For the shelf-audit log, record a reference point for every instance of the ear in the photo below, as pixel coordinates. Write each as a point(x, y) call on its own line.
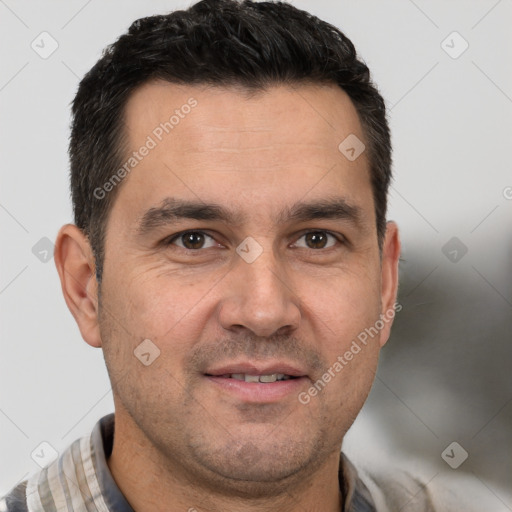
point(389, 279)
point(75, 264)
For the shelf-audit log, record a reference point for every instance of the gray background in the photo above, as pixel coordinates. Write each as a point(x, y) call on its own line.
point(445, 373)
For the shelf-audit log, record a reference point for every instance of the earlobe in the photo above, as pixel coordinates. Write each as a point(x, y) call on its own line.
point(75, 264)
point(389, 278)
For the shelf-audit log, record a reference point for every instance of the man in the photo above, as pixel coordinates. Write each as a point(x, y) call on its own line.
point(231, 256)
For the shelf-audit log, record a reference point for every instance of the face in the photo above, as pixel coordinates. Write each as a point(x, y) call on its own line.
point(243, 245)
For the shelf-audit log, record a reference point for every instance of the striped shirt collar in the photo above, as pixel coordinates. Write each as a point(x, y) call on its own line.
point(80, 481)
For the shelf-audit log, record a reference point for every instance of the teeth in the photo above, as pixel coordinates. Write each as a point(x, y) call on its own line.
point(268, 378)
point(252, 378)
point(259, 378)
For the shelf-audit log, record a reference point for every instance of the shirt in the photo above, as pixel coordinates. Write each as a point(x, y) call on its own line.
point(79, 480)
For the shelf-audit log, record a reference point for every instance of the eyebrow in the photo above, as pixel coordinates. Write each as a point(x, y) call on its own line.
point(172, 210)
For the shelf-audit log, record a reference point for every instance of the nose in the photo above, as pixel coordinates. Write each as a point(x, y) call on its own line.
point(259, 296)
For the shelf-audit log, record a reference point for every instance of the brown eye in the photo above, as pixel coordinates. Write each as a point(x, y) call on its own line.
point(193, 240)
point(317, 240)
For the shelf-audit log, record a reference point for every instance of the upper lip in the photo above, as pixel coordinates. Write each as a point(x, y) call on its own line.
point(257, 369)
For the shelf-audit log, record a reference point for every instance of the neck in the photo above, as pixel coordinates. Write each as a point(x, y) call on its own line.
point(151, 482)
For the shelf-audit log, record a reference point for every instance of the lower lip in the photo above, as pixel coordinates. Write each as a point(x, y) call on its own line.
point(258, 392)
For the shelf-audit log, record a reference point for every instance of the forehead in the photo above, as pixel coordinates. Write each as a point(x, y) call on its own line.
point(317, 113)
point(226, 145)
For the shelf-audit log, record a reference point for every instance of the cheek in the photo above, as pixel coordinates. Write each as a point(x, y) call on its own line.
point(149, 309)
point(162, 307)
point(341, 315)
point(341, 307)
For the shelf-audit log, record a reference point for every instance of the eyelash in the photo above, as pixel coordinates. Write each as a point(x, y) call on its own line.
point(170, 240)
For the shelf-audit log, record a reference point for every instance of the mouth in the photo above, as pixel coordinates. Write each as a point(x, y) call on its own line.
point(264, 379)
point(251, 384)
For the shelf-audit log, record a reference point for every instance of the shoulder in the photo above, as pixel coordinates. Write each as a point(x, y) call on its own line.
point(394, 489)
point(73, 481)
point(16, 499)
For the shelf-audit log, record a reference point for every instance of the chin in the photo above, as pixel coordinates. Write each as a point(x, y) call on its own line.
point(250, 468)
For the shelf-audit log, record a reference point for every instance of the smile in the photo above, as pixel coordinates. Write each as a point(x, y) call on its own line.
point(272, 377)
